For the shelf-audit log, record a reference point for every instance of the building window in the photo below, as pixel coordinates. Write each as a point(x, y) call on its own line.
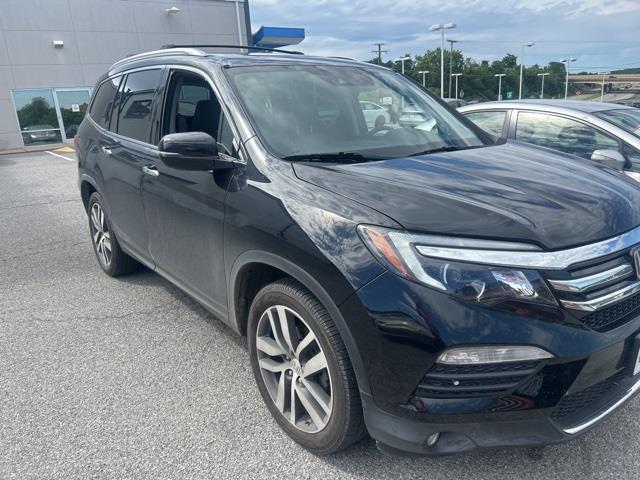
point(37, 116)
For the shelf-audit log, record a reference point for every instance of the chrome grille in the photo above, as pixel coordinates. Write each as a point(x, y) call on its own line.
point(602, 294)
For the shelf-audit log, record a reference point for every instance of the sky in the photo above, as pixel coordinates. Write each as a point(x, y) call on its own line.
point(602, 35)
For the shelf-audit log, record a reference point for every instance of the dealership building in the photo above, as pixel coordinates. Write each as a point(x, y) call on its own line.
point(53, 51)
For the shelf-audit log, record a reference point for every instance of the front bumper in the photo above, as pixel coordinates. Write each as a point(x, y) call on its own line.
point(400, 328)
point(396, 435)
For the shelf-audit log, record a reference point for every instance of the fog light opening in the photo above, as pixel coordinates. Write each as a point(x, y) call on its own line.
point(433, 439)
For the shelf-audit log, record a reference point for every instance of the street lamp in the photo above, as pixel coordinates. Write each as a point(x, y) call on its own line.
point(456, 75)
point(604, 75)
point(442, 27)
point(424, 82)
point(566, 62)
point(403, 59)
point(542, 88)
point(528, 44)
point(451, 42)
point(500, 75)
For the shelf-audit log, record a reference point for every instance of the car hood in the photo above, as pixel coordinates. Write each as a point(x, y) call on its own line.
point(509, 192)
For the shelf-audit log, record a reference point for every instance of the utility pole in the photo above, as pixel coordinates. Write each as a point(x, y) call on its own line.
point(542, 88)
point(403, 59)
point(424, 80)
point(566, 62)
point(456, 75)
point(378, 51)
point(451, 42)
point(441, 27)
point(604, 75)
point(500, 75)
point(528, 44)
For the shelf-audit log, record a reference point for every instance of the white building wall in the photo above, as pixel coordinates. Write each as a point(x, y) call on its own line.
point(96, 33)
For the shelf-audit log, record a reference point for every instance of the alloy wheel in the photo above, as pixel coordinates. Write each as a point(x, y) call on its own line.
point(294, 369)
point(101, 235)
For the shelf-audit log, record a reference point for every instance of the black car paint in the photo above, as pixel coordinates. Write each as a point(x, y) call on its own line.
point(511, 192)
point(205, 230)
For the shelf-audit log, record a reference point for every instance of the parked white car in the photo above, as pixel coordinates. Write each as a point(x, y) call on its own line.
point(373, 111)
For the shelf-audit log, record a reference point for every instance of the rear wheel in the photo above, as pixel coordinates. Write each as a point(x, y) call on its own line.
point(302, 369)
point(113, 261)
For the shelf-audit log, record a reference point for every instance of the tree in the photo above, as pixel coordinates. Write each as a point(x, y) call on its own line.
point(478, 79)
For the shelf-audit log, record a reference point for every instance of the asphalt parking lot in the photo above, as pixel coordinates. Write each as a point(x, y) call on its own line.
point(129, 378)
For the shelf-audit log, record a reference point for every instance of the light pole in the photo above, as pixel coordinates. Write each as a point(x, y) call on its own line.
point(528, 44)
point(542, 88)
point(403, 59)
point(499, 75)
point(456, 75)
point(424, 82)
point(604, 75)
point(451, 42)
point(566, 62)
point(435, 28)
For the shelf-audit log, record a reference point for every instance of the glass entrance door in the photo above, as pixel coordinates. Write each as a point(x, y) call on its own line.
point(72, 105)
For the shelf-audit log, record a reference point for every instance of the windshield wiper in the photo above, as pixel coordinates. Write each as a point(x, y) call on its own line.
point(443, 149)
point(338, 157)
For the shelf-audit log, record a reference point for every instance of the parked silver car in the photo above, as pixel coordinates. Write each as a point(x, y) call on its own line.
point(603, 132)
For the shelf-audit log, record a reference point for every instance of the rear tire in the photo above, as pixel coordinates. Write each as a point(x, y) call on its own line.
point(111, 258)
point(327, 412)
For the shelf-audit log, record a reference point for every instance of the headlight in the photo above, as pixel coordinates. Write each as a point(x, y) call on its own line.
point(469, 281)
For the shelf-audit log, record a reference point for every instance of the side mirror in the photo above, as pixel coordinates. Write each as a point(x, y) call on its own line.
point(194, 151)
point(610, 158)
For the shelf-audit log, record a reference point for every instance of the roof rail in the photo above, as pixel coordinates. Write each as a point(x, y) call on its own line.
point(159, 53)
point(242, 47)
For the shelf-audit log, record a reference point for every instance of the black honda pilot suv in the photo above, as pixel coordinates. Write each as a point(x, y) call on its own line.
point(422, 284)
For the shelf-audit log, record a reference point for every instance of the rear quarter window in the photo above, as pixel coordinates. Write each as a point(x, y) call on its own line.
point(103, 100)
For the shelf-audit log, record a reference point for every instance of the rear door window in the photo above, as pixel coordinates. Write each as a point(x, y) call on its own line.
point(103, 100)
point(561, 133)
point(135, 104)
point(490, 122)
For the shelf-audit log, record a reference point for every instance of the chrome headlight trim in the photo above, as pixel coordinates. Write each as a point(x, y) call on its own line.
point(538, 260)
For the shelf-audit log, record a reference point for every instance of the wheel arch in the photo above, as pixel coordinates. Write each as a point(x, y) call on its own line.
point(281, 268)
point(87, 186)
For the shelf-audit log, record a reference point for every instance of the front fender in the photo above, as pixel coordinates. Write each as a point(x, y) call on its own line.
point(309, 282)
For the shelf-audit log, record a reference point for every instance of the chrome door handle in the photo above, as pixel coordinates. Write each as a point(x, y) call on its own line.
point(150, 171)
point(107, 149)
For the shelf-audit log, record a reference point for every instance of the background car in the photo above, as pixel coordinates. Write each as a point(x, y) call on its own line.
point(41, 134)
point(576, 127)
point(372, 112)
point(456, 102)
point(412, 117)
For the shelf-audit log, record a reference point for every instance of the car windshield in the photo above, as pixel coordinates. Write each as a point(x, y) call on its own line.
point(329, 113)
point(628, 119)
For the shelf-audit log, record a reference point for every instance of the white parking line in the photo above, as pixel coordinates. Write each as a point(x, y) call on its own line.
point(61, 156)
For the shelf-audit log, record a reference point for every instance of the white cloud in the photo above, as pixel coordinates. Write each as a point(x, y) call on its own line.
point(490, 28)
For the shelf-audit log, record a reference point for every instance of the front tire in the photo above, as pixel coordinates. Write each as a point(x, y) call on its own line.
point(113, 261)
point(303, 370)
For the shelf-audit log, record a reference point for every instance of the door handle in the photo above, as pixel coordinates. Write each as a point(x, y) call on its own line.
point(150, 171)
point(107, 147)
